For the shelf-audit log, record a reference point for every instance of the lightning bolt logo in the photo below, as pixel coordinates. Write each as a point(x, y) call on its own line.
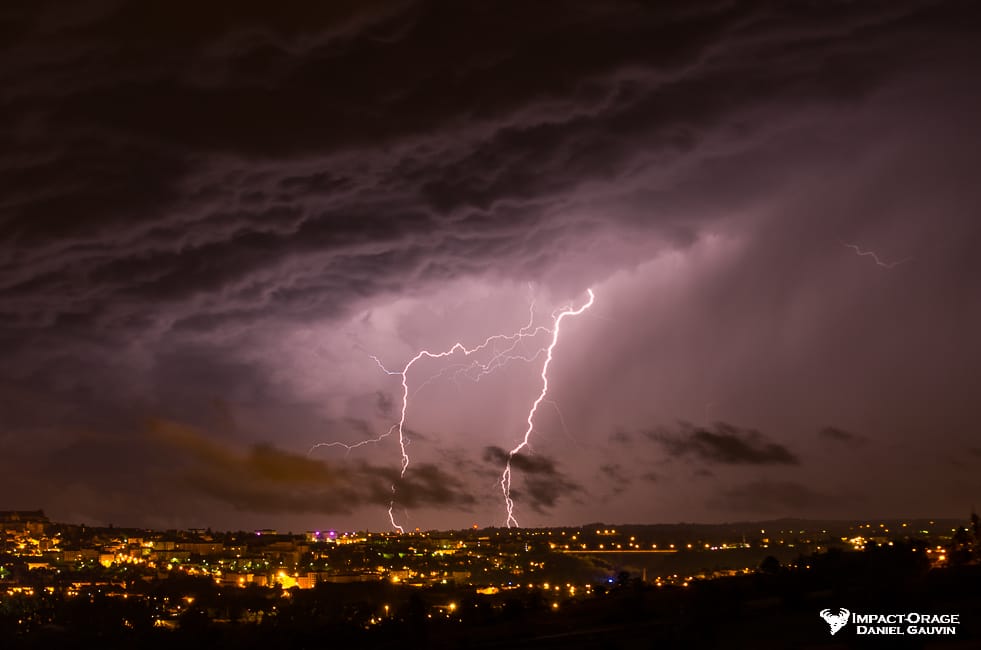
point(504, 349)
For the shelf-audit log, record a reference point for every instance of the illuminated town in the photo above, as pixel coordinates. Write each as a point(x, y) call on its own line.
point(159, 582)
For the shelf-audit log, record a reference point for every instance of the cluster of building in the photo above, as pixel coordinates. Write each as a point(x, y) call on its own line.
point(36, 554)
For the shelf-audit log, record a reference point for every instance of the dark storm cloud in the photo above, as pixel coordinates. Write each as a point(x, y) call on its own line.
point(773, 498)
point(835, 434)
point(614, 472)
point(525, 463)
point(430, 485)
point(542, 484)
point(543, 494)
point(725, 444)
point(184, 171)
point(264, 478)
point(385, 404)
point(620, 437)
point(615, 475)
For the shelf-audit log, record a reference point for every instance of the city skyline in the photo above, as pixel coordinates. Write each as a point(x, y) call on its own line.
point(228, 236)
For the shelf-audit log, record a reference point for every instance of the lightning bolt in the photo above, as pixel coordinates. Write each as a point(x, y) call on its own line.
point(506, 475)
point(875, 258)
point(399, 426)
point(504, 350)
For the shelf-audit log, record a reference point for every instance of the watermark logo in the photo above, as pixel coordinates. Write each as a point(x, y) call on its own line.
point(892, 624)
point(835, 621)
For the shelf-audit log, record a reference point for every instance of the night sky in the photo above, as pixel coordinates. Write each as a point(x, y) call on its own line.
point(212, 217)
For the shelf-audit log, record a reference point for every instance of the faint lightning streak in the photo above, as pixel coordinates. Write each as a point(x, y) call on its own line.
point(875, 258)
point(349, 447)
point(558, 412)
point(506, 475)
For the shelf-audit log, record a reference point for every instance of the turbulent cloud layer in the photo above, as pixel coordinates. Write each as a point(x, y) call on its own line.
point(174, 172)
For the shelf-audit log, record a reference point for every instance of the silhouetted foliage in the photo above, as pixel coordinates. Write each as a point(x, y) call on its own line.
point(770, 565)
